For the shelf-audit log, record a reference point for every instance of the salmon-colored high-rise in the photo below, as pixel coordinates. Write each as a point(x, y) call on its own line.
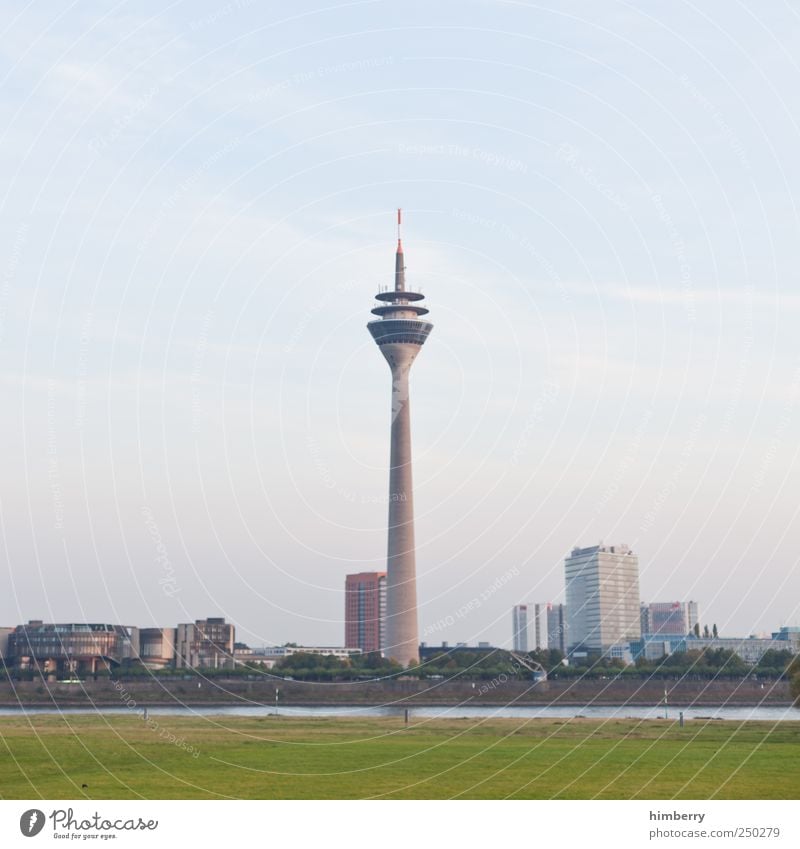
point(365, 611)
point(400, 334)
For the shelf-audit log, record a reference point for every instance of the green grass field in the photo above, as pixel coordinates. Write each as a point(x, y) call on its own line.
point(123, 757)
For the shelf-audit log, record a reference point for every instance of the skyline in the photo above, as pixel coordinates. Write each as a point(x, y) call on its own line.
point(604, 223)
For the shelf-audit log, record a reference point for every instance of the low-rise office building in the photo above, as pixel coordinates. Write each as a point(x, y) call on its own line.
point(70, 649)
point(621, 651)
point(277, 652)
point(749, 649)
point(789, 634)
point(245, 656)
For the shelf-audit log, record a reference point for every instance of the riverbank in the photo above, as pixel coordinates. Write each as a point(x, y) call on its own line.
point(392, 693)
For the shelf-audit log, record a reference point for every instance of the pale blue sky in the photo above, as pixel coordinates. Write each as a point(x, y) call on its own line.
point(197, 207)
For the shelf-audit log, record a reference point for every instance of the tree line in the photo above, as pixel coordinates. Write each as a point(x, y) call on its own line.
point(696, 664)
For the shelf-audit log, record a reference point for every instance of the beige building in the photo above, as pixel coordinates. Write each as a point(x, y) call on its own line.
point(602, 584)
point(204, 644)
point(157, 647)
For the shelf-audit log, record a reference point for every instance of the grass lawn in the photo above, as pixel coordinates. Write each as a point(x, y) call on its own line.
point(124, 757)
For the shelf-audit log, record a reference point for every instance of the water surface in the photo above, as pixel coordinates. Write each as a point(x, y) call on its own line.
point(736, 714)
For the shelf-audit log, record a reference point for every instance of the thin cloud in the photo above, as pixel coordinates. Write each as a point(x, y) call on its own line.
point(682, 297)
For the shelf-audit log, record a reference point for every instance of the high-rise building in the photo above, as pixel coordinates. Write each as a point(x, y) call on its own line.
point(556, 627)
point(644, 618)
point(400, 334)
point(539, 626)
point(365, 611)
point(520, 622)
point(668, 618)
point(603, 603)
point(519, 619)
point(692, 615)
point(671, 618)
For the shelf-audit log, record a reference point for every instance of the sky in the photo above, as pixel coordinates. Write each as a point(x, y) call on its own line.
point(197, 206)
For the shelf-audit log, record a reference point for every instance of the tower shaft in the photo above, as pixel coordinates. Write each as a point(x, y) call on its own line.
point(402, 638)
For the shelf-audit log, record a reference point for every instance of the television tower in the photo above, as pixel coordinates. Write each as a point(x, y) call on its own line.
point(400, 333)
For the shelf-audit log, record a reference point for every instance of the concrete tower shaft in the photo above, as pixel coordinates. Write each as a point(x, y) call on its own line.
point(400, 334)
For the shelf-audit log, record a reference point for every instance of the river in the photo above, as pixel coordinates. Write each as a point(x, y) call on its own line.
point(733, 714)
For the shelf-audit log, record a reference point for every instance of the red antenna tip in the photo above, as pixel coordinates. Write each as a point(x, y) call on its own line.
point(399, 221)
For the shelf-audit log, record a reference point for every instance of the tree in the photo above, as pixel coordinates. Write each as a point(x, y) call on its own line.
point(775, 664)
point(714, 631)
point(794, 680)
point(697, 629)
point(303, 665)
point(375, 662)
point(706, 634)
